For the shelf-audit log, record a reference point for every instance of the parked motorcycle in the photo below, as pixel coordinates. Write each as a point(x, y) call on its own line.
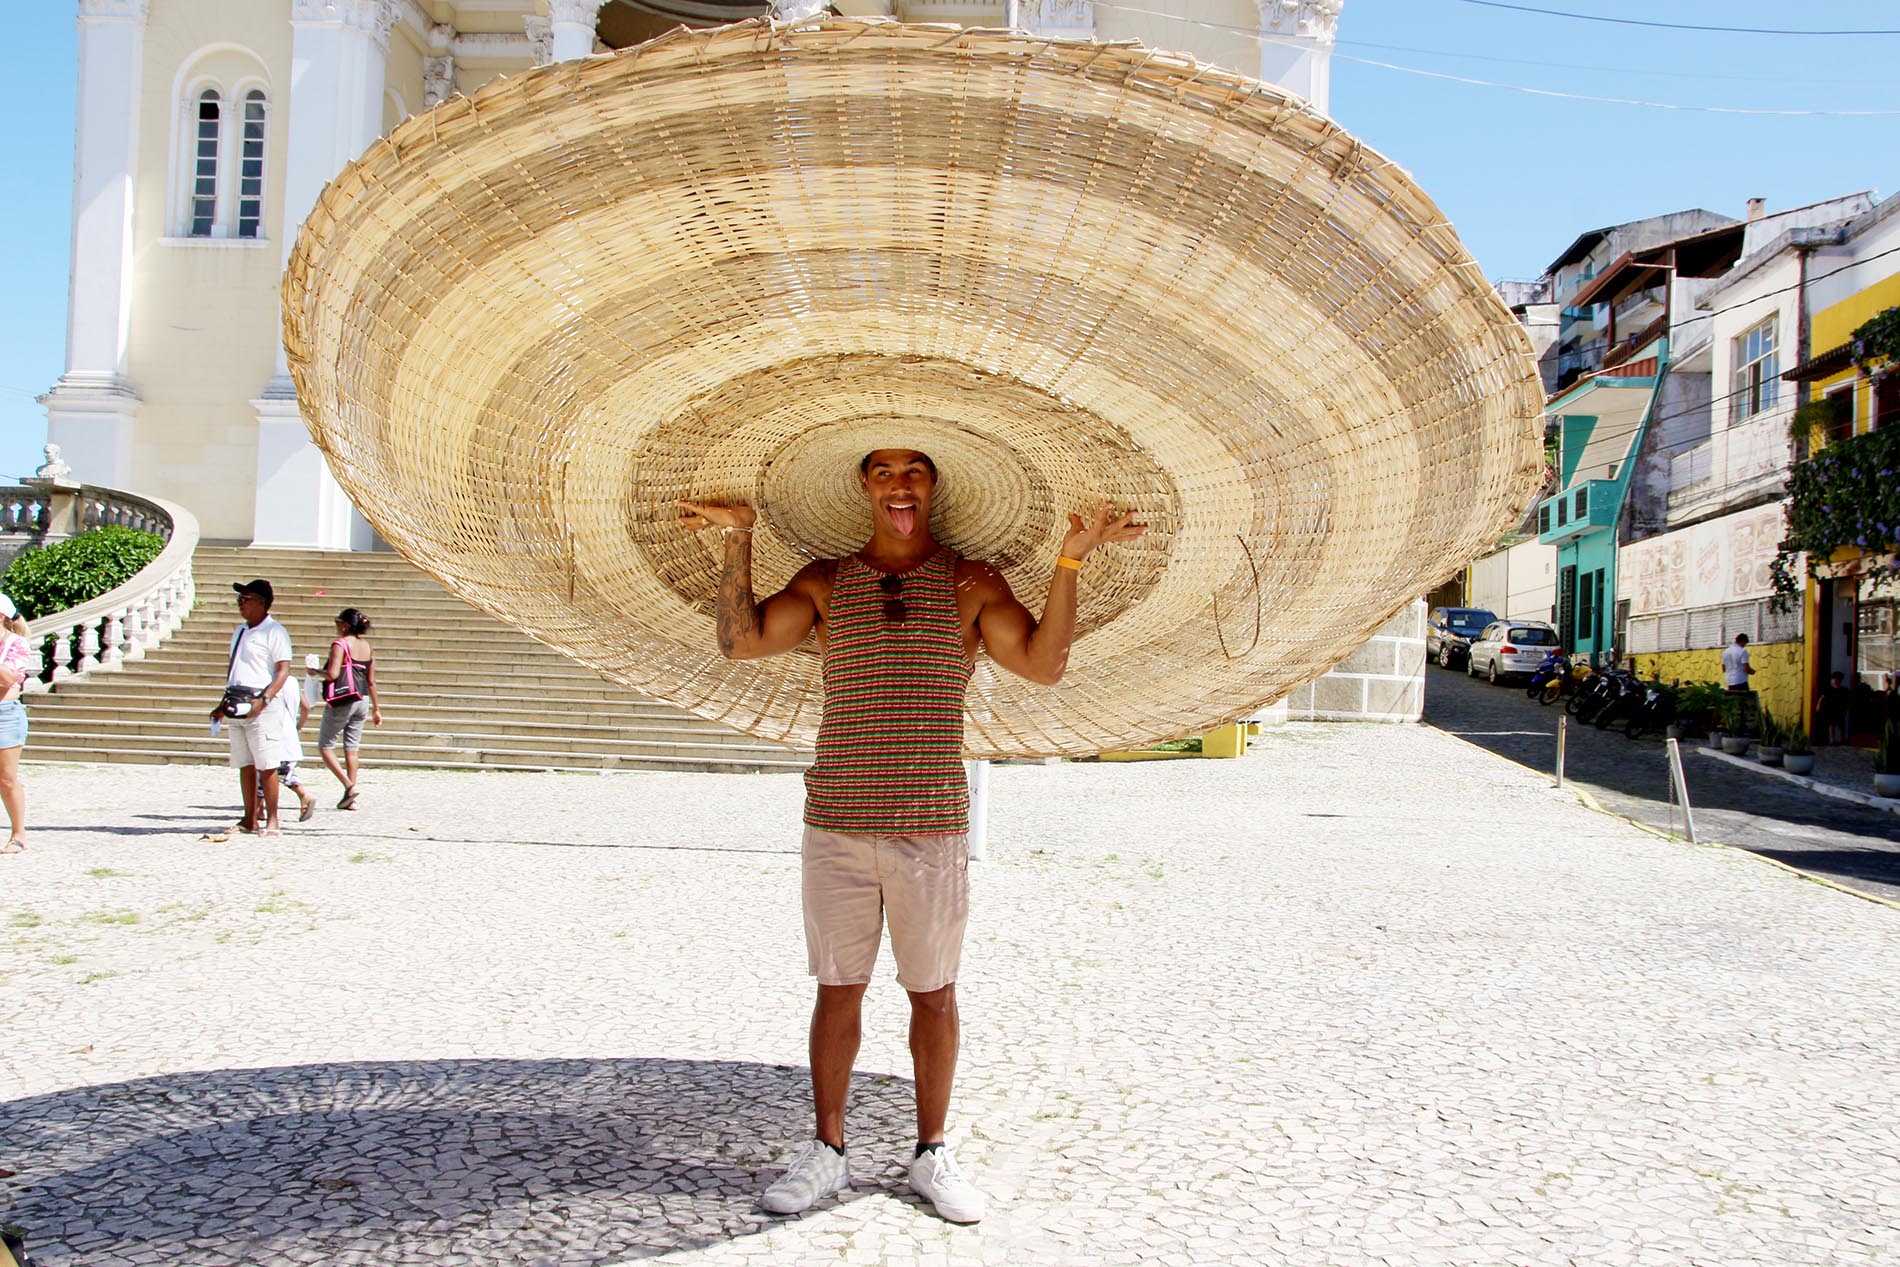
point(1592, 696)
point(1552, 682)
point(1656, 711)
point(1551, 670)
point(1624, 698)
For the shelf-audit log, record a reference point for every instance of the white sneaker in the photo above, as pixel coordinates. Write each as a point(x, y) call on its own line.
point(814, 1173)
point(935, 1177)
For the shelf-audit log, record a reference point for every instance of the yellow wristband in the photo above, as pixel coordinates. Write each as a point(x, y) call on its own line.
point(1063, 561)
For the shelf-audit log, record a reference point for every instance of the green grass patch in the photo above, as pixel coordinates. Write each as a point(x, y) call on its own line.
point(24, 919)
point(110, 917)
point(104, 873)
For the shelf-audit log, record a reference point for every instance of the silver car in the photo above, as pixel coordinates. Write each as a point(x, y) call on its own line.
point(1510, 648)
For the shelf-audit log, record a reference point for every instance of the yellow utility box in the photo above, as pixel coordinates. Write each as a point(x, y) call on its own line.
point(1228, 741)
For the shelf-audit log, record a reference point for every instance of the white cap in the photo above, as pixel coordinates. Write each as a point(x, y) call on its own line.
point(7, 610)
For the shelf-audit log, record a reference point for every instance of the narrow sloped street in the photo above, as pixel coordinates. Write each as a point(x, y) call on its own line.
point(1850, 844)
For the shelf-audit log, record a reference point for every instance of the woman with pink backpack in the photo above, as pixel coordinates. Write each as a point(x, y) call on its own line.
point(349, 699)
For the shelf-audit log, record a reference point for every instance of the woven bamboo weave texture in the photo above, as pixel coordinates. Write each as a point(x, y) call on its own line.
point(725, 264)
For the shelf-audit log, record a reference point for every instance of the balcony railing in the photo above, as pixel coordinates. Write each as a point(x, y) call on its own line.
point(1577, 509)
point(1731, 465)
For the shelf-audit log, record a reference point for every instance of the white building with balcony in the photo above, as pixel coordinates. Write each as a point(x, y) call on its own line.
point(1706, 513)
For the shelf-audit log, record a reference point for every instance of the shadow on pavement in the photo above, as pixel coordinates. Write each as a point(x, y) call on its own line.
point(556, 1162)
point(1838, 840)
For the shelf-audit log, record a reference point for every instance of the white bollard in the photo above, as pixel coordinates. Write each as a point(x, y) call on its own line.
point(979, 772)
point(1679, 790)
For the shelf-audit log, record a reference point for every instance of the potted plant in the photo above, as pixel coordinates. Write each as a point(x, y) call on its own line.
point(1887, 760)
point(1773, 733)
point(1697, 705)
point(1735, 739)
point(1797, 753)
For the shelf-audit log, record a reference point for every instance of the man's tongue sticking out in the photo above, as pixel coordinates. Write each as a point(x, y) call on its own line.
point(904, 519)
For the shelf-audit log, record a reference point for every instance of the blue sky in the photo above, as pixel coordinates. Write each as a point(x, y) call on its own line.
point(1520, 175)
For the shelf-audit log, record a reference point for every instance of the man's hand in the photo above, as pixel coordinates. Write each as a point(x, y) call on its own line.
point(1110, 525)
point(748, 628)
point(697, 515)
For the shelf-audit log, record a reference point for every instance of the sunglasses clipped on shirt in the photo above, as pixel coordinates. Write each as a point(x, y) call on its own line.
point(893, 587)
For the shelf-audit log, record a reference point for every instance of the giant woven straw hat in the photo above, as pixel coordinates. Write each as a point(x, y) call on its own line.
point(726, 264)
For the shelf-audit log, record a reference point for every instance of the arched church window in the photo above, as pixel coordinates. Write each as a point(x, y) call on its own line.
point(251, 167)
point(207, 136)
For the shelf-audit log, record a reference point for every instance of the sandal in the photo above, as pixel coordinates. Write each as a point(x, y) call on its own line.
point(349, 798)
point(309, 809)
point(16, 845)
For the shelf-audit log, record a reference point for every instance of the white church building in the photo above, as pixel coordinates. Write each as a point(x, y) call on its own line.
point(206, 129)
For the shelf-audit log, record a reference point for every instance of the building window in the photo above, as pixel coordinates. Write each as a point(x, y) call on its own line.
point(1757, 381)
point(251, 167)
point(220, 146)
point(1583, 502)
point(208, 129)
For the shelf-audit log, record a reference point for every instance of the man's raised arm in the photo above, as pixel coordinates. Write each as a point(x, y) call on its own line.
point(1039, 649)
point(749, 629)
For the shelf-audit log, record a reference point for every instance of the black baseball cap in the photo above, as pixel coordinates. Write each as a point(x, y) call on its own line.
point(259, 587)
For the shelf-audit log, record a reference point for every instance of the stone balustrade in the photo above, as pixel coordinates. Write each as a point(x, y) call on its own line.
point(123, 624)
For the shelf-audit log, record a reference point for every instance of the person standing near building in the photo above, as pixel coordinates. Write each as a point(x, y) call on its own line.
point(1830, 708)
point(263, 739)
point(1736, 670)
point(898, 623)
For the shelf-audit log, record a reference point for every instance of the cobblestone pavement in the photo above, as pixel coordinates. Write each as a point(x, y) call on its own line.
point(1365, 997)
point(1850, 844)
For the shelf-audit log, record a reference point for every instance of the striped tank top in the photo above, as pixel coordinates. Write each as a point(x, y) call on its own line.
point(890, 743)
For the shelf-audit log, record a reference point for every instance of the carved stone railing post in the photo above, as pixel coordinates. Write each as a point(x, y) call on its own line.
point(112, 643)
point(88, 650)
point(142, 629)
point(35, 683)
point(62, 654)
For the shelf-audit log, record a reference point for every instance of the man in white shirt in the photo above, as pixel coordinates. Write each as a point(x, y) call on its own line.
point(1736, 669)
point(260, 660)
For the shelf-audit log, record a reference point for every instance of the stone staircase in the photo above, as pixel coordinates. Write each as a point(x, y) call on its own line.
point(460, 690)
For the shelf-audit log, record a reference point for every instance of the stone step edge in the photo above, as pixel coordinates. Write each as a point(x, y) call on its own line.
point(655, 764)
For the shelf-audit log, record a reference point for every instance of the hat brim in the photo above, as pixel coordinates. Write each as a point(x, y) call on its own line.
point(726, 264)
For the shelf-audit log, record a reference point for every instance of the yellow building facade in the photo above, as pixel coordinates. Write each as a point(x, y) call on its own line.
point(1850, 617)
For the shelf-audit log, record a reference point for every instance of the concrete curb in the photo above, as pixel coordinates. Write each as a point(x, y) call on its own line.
point(1818, 786)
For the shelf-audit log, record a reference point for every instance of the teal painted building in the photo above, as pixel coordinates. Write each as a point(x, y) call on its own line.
point(1600, 424)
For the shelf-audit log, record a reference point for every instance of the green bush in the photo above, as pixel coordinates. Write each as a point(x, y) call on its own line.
point(77, 570)
point(1796, 742)
point(1887, 759)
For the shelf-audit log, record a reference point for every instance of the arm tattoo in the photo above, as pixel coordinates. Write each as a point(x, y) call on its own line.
point(738, 611)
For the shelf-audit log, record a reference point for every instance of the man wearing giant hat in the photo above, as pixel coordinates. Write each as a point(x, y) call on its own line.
point(898, 623)
point(712, 273)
